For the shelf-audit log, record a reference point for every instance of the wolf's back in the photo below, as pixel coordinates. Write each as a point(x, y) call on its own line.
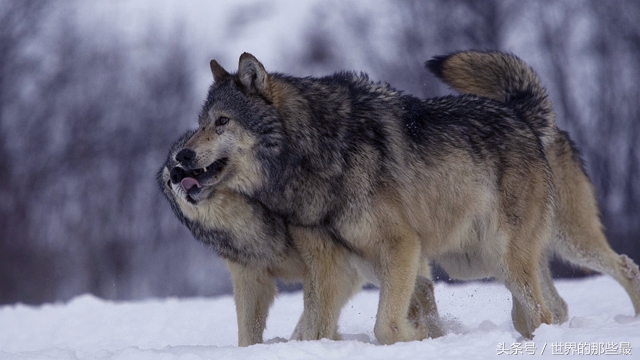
point(502, 77)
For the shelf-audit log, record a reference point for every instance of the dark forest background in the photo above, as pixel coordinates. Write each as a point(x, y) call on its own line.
point(86, 118)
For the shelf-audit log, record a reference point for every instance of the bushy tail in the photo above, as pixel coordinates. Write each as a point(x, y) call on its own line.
point(502, 77)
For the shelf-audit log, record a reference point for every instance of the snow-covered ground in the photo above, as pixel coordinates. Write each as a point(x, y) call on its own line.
point(477, 316)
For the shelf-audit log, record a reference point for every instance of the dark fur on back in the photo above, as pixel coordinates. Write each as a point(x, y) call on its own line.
point(483, 73)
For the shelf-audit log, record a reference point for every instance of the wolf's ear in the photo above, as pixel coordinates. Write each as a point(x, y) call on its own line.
point(218, 72)
point(252, 76)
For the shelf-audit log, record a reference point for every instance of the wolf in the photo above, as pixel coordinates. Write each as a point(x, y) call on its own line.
point(394, 180)
point(258, 248)
point(578, 235)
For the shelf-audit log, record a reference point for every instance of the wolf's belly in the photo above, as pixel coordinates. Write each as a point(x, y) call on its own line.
point(466, 266)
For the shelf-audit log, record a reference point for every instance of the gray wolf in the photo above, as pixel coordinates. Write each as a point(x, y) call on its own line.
point(258, 249)
point(353, 164)
point(578, 236)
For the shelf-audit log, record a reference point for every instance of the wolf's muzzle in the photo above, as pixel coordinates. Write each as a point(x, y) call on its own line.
point(185, 156)
point(178, 173)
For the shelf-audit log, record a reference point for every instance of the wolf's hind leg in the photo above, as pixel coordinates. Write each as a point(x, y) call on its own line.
point(582, 242)
point(253, 293)
point(522, 276)
point(423, 311)
point(556, 303)
point(580, 239)
point(600, 257)
point(529, 308)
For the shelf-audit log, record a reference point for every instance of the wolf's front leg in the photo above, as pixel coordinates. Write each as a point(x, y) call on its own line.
point(329, 282)
point(253, 293)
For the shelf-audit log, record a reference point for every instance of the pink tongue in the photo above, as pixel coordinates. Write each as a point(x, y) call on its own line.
point(187, 183)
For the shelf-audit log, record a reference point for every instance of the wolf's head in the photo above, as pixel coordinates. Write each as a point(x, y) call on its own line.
point(239, 228)
point(238, 136)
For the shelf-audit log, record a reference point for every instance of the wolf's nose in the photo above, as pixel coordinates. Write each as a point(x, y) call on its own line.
point(176, 175)
point(185, 156)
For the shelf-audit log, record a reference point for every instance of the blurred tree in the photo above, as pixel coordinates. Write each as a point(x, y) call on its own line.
point(604, 116)
point(19, 25)
point(614, 155)
point(394, 40)
point(88, 121)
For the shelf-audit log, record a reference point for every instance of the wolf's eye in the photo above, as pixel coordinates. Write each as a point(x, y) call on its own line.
point(222, 120)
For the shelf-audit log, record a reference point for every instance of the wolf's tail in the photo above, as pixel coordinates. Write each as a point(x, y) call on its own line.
point(502, 77)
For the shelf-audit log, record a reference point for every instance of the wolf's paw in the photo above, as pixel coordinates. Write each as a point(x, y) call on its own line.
point(632, 272)
point(309, 333)
point(428, 326)
point(393, 332)
point(559, 311)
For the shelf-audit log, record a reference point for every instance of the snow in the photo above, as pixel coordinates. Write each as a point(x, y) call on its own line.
point(476, 315)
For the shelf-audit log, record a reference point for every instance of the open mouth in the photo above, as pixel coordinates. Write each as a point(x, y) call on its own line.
point(191, 180)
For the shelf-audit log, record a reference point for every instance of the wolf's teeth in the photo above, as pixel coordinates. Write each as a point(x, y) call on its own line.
point(205, 169)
